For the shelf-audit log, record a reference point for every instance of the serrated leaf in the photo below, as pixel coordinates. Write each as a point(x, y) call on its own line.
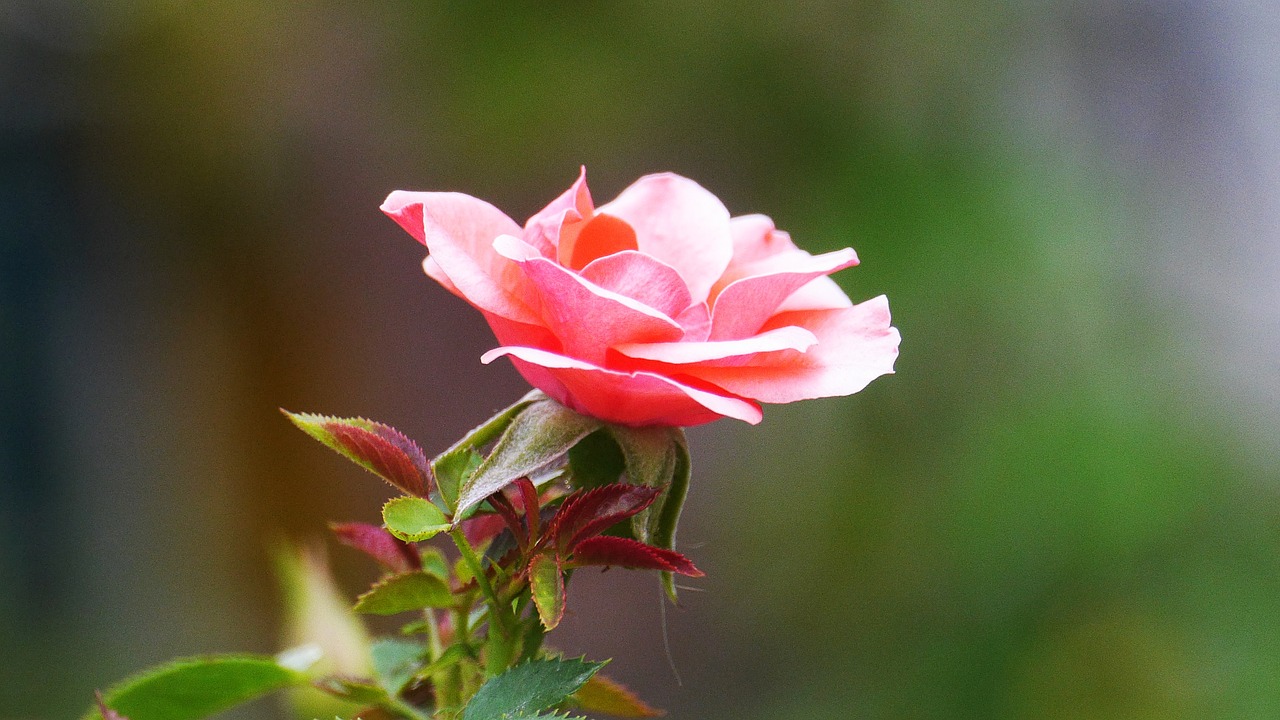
point(405, 592)
point(197, 687)
point(542, 432)
point(453, 466)
point(589, 513)
point(528, 689)
point(546, 583)
point(628, 553)
point(413, 519)
point(606, 695)
point(388, 550)
point(595, 461)
point(378, 448)
point(395, 662)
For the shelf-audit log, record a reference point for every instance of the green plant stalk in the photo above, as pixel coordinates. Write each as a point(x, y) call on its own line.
point(501, 642)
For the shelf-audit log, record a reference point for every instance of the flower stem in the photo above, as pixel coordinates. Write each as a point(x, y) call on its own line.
point(502, 636)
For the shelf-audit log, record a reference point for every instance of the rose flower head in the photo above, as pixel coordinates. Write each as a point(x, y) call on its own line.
point(657, 308)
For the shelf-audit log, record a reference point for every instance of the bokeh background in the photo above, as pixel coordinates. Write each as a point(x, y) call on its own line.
point(1066, 504)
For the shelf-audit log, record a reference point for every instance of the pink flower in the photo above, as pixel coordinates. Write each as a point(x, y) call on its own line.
point(657, 308)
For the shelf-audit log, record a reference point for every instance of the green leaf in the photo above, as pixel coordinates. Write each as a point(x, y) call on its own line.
point(197, 687)
point(596, 460)
point(453, 466)
point(525, 690)
point(395, 662)
point(402, 593)
point(546, 581)
point(413, 519)
point(542, 432)
point(433, 562)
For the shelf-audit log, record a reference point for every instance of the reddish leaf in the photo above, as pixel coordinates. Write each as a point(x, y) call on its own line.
point(529, 500)
point(481, 528)
point(380, 449)
point(589, 513)
point(628, 553)
point(392, 552)
point(606, 695)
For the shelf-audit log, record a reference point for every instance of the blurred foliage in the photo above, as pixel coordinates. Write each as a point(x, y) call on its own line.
point(1043, 514)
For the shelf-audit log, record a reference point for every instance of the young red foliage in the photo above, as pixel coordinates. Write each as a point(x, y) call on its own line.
point(585, 514)
point(628, 553)
point(390, 551)
point(392, 456)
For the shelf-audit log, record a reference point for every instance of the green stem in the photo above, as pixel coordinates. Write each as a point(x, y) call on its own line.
point(502, 636)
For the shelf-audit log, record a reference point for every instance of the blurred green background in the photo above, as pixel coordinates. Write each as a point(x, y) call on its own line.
point(1064, 505)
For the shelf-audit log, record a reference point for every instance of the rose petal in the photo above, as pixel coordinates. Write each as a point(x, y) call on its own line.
point(744, 305)
point(586, 318)
point(573, 207)
point(819, 294)
point(679, 223)
point(855, 346)
point(636, 399)
point(458, 231)
point(643, 278)
point(679, 353)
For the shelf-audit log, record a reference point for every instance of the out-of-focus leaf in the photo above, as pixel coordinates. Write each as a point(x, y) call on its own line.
point(413, 519)
point(317, 613)
point(433, 562)
point(106, 712)
point(391, 552)
point(395, 662)
point(606, 695)
point(453, 466)
point(380, 449)
point(197, 687)
point(546, 582)
point(628, 553)
point(405, 592)
point(540, 433)
point(528, 689)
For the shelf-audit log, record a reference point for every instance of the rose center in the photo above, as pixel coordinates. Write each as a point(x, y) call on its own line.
point(603, 235)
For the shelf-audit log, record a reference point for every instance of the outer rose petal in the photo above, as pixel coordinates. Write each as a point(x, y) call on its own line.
point(744, 305)
point(636, 399)
point(683, 353)
point(855, 346)
point(458, 231)
point(586, 318)
point(819, 294)
point(679, 223)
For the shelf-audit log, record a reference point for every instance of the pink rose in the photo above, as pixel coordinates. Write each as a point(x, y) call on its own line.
point(656, 308)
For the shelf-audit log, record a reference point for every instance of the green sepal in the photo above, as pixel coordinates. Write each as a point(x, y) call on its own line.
point(665, 513)
point(546, 583)
point(395, 662)
point(197, 687)
point(541, 432)
point(413, 519)
point(528, 689)
point(595, 461)
point(453, 466)
point(405, 592)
